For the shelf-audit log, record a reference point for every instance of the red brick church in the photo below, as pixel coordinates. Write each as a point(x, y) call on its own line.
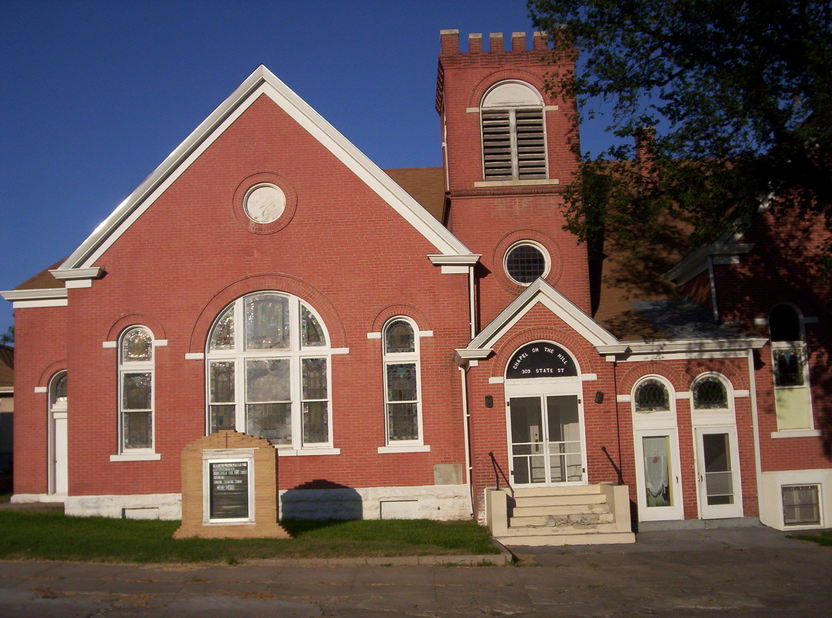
point(420, 343)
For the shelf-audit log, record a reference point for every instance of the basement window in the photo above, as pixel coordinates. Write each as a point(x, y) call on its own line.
point(801, 506)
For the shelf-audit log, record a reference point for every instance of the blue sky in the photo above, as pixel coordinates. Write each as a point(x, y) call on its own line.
point(95, 94)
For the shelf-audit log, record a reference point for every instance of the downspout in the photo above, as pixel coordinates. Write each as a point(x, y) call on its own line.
point(755, 424)
point(466, 420)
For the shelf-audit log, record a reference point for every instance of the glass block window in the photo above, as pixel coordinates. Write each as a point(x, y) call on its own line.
point(525, 262)
point(513, 133)
point(801, 505)
point(135, 389)
point(651, 396)
point(709, 393)
point(267, 366)
point(402, 389)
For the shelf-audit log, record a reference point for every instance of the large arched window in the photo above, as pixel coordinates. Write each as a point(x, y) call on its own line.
point(135, 385)
point(513, 133)
point(402, 388)
point(790, 368)
point(267, 362)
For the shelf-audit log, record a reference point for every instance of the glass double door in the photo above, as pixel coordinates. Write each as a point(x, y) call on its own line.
point(546, 440)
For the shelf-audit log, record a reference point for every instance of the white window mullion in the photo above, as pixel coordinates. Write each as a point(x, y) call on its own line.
point(297, 411)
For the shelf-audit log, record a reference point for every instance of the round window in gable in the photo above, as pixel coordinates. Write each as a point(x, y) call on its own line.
point(264, 203)
point(526, 261)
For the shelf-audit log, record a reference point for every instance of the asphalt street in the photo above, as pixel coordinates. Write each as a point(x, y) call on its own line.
point(746, 571)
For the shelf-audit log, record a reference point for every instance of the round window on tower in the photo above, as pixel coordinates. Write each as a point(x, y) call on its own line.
point(526, 261)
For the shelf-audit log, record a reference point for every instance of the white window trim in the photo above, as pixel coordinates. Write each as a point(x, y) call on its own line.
point(136, 454)
point(719, 416)
point(656, 418)
point(802, 350)
point(295, 354)
point(512, 109)
point(532, 243)
point(796, 433)
point(398, 446)
point(820, 523)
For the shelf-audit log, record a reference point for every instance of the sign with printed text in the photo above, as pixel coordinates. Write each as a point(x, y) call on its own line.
point(541, 360)
point(229, 489)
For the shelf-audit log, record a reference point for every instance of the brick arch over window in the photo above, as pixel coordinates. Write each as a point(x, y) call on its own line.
point(486, 83)
point(414, 313)
point(737, 378)
point(571, 343)
point(278, 283)
point(50, 370)
point(152, 324)
point(627, 378)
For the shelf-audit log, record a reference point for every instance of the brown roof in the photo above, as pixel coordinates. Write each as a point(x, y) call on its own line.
point(6, 366)
point(426, 185)
point(43, 280)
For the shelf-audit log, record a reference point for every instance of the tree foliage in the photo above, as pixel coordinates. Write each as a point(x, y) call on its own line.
point(740, 93)
point(7, 338)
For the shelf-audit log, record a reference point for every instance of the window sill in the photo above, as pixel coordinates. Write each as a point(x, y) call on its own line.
point(290, 452)
point(516, 183)
point(136, 457)
point(405, 448)
point(796, 433)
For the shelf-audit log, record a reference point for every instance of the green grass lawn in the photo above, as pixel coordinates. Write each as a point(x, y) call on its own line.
point(821, 538)
point(33, 535)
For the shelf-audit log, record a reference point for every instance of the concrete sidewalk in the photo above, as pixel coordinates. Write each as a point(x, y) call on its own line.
point(752, 571)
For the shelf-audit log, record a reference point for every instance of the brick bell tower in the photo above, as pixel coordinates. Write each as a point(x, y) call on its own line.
point(507, 157)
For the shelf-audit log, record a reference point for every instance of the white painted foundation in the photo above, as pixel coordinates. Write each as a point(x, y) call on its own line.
point(772, 496)
point(438, 502)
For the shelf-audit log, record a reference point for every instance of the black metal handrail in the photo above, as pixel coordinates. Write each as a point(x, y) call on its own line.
point(498, 472)
point(612, 463)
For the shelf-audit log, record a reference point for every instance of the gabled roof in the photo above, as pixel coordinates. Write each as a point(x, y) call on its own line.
point(538, 292)
point(260, 82)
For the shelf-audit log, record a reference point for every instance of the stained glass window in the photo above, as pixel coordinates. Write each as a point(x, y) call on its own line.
point(261, 379)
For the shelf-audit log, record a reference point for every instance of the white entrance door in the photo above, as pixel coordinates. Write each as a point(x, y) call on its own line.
point(717, 472)
point(546, 440)
point(657, 474)
point(59, 453)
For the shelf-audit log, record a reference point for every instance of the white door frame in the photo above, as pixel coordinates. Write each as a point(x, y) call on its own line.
point(542, 388)
point(57, 451)
point(659, 513)
point(717, 511)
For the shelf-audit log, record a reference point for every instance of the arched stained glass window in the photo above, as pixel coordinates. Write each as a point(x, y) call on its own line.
point(651, 396)
point(268, 374)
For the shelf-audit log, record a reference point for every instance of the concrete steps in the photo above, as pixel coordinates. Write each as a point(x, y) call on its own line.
point(570, 515)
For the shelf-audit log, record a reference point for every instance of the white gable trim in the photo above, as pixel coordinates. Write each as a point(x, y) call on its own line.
point(261, 81)
point(557, 303)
